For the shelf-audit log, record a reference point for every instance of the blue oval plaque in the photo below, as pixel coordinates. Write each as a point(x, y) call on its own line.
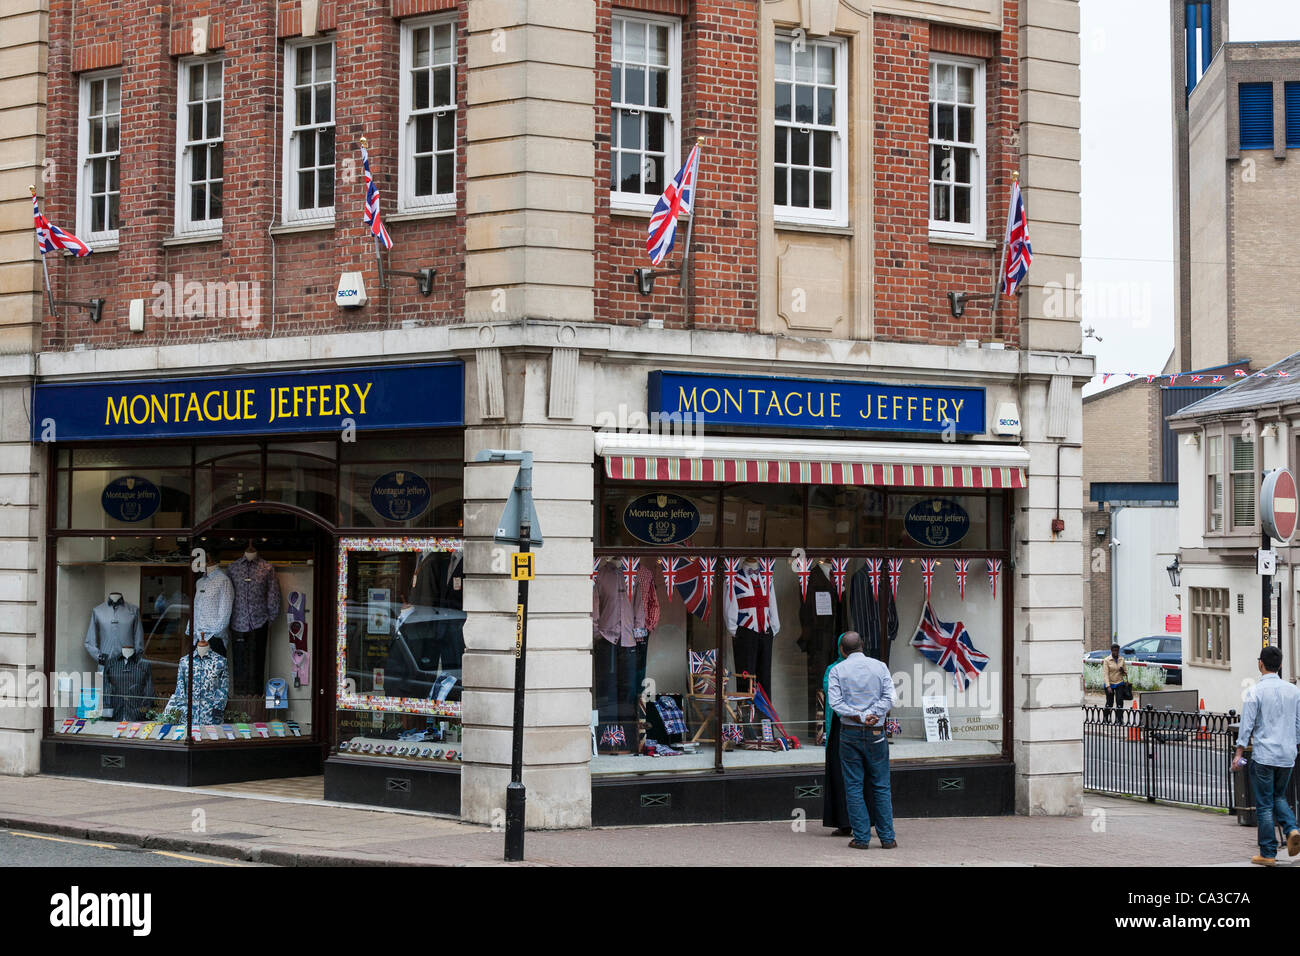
point(130, 498)
point(936, 522)
point(661, 518)
point(400, 495)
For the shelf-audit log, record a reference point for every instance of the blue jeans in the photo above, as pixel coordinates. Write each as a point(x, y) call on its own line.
point(864, 758)
point(1270, 785)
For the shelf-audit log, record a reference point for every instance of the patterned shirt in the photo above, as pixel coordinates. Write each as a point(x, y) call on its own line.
point(257, 593)
point(128, 687)
point(611, 610)
point(214, 599)
point(211, 689)
point(748, 603)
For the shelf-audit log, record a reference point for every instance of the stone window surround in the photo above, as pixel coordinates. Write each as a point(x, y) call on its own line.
point(1229, 534)
point(838, 214)
point(1198, 612)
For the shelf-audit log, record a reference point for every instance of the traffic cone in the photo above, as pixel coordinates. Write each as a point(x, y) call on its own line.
point(1133, 732)
point(1204, 732)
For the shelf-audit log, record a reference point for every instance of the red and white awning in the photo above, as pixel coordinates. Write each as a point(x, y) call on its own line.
point(648, 457)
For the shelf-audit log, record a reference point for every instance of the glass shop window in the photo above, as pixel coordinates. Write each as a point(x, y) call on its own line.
point(124, 490)
point(226, 476)
point(400, 649)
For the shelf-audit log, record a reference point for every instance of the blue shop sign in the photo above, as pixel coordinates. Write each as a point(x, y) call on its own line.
point(659, 518)
point(936, 522)
point(430, 395)
point(130, 498)
point(809, 403)
point(400, 495)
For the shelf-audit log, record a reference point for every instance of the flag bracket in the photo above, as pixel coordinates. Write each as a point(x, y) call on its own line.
point(957, 301)
point(645, 278)
point(95, 307)
point(423, 277)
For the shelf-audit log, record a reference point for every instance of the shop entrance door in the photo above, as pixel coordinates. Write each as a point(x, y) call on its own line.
point(278, 640)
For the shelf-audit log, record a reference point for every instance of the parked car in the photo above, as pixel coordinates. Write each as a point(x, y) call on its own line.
point(1158, 649)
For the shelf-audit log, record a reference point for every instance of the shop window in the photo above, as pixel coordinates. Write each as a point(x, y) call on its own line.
point(697, 508)
point(225, 477)
point(124, 491)
point(1210, 620)
point(304, 476)
point(956, 147)
point(773, 603)
point(428, 105)
point(400, 648)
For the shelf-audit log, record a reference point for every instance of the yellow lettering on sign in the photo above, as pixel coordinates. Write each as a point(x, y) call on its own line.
point(704, 401)
point(772, 403)
point(361, 396)
point(798, 410)
point(115, 413)
point(686, 401)
point(925, 408)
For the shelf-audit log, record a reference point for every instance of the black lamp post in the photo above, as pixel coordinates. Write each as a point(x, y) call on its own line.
point(1175, 572)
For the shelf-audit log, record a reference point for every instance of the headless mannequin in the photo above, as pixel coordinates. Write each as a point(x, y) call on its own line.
point(614, 653)
point(257, 604)
point(751, 648)
point(128, 686)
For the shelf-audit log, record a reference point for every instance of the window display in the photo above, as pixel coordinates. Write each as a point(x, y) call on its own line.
point(400, 648)
point(925, 598)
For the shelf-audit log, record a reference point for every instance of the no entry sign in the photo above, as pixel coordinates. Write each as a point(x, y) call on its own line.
point(1277, 505)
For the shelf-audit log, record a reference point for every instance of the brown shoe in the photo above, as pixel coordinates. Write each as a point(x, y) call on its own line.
point(1257, 859)
point(855, 845)
point(1293, 843)
point(888, 844)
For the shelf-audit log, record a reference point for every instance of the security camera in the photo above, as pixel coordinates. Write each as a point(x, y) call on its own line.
point(1114, 542)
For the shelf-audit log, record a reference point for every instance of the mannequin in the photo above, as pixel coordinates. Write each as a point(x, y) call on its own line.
point(821, 621)
point(749, 608)
point(256, 605)
point(211, 688)
point(128, 686)
point(864, 613)
point(214, 598)
point(113, 626)
point(614, 647)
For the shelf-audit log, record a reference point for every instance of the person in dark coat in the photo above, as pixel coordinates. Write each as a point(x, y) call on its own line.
point(835, 811)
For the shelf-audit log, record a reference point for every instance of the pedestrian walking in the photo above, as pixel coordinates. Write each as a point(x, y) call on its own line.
point(861, 691)
point(1270, 723)
point(1114, 674)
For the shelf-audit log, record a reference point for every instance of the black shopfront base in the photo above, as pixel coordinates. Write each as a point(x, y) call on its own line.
point(959, 789)
point(395, 784)
point(179, 766)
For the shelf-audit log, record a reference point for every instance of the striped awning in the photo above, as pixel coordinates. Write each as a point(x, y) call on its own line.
point(633, 457)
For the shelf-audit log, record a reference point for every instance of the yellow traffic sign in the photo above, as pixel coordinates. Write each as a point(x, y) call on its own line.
point(519, 629)
point(522, 568)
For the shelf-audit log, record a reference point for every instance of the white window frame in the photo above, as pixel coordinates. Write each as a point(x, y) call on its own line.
point(185, 226)
point(978, 229)
point(838, 214)
point(84, 157)
point(407, 200)
point(673, 158)
point(290, 213)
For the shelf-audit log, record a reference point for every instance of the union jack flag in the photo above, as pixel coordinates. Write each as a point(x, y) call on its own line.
point(733, 732)
point(695, 585)
point(670, 567)
point(1105, 377)
point(50, 237)
point(1197, 378)
point(1216, 380)
point(767, 568)
point(927, 573)
point(1239, 373)
point(839, 574)
point(1019, 252)
point(730, 567)
point(959, 568)
point(1283, 374)
point(803, 570)
point(1173, 378)
point(751, 593)
point(595, 569)
point(949, 646)
point(995, 568)
point(873, 572)
point(1151, 378)
point(371, 216)
point(895, 575)
point(613, 735)
point(630, 567)
point(677, 199)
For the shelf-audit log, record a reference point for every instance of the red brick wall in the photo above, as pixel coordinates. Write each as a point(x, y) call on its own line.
point(913, 274)
point(720, 103)
point(307, 265)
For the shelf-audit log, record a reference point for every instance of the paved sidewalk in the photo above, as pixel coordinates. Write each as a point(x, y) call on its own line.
point(288, 831)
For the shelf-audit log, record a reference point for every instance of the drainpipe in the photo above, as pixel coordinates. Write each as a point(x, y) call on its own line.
point(1114, 561)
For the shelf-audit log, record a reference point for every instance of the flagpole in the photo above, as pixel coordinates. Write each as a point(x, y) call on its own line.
point(690, 224)
point(379, 262)
point(45, 266)
point(1000, 267)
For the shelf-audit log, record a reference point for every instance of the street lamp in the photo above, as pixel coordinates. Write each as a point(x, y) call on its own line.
point(1175, 572)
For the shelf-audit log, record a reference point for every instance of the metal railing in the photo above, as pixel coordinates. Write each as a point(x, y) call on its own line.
point(1169, 756)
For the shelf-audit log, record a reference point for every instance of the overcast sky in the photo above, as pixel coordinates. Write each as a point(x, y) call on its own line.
point(1128, 239)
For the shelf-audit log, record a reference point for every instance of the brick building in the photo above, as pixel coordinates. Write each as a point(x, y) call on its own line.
point(856, 163)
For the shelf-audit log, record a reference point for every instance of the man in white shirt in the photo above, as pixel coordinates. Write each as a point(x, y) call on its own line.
point(861, 691)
